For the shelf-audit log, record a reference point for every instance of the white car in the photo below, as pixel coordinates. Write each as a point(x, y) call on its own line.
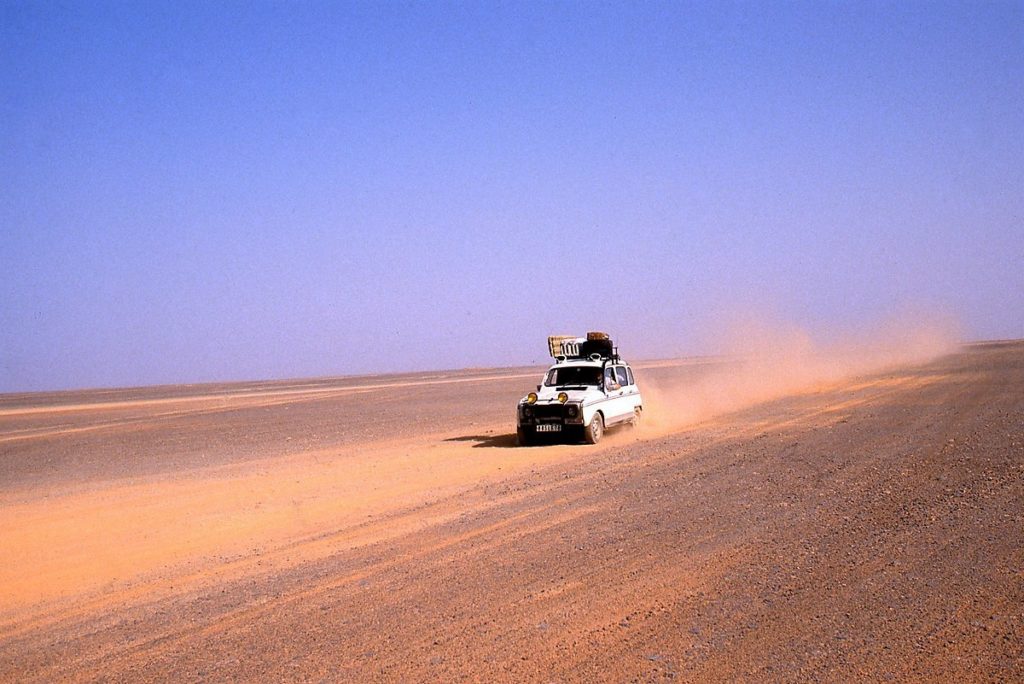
point(587, 390)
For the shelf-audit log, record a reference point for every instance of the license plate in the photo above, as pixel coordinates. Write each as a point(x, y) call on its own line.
point(549, 427)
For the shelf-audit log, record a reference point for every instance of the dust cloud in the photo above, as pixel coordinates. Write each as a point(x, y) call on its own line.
point(759, 360)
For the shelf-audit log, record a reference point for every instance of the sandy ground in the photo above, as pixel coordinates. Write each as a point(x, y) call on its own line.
point(386, 528)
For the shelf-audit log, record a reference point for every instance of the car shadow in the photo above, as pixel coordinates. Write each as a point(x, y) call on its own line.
point(484, 441)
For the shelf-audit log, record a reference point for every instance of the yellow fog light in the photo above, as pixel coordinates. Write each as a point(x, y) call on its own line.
point(563, 397)
point(531, 398)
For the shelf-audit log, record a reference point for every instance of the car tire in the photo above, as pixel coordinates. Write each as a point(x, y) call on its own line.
point(595, 430)
point(523, 437)
point(638, 414)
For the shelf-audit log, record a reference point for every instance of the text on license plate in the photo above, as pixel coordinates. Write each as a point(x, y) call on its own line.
point(549, 427)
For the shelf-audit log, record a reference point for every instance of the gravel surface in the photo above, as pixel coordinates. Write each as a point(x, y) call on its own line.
point(869, 530)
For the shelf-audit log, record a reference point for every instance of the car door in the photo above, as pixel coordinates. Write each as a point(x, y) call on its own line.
point(618, 405)
point(631, 391)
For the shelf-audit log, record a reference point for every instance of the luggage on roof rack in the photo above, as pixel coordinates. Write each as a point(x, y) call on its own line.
point(572, 347)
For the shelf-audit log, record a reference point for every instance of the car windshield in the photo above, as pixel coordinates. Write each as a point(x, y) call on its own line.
point(573, 375)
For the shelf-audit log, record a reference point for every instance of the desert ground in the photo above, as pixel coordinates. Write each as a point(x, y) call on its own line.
point(386, 528)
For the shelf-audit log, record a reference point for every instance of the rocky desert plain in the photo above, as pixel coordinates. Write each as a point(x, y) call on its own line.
point(856, 526)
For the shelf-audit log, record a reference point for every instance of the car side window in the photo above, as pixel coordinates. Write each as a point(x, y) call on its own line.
point(609, 378)
point(620, 373)
point(629, 374)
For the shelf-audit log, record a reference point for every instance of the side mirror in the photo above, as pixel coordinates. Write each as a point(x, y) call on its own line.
point(538, 388)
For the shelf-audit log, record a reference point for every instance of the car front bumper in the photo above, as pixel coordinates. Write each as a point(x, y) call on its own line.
point(542, 417)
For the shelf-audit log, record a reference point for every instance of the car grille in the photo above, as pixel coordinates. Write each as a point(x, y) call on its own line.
point(543, 411)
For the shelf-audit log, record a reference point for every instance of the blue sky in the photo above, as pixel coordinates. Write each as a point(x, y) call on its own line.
point(216, 191)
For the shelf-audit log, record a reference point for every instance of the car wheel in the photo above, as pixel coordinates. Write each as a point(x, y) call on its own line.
point(524, 437)
point(595, 429)
point(638, 414)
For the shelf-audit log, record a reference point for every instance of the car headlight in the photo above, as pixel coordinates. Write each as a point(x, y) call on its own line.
point(563, 397)
point(531, 398)
point(572, 410)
